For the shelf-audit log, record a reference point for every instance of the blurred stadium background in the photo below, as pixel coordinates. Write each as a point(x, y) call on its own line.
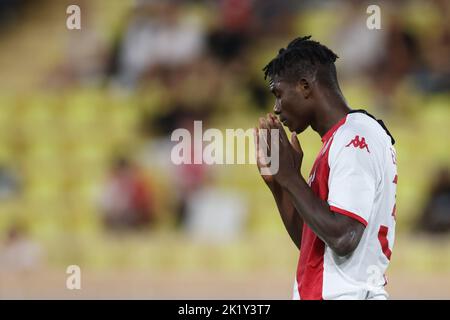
point(85, 123)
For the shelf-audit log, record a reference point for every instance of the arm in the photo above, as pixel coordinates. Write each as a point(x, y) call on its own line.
point(292, 220)
point(341, 233)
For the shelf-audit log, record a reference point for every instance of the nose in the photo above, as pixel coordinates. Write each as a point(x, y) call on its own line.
point(277, 109)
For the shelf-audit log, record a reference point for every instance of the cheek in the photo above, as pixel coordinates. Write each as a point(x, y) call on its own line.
point(291, 109)
point(287, 106)
point(291, 103)
point(300, 116)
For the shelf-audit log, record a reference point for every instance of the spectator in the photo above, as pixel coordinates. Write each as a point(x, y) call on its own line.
point(231, 36)
point(18, 252)
point(189, 177)
point(126, 201)
point(86, 56)
point(436, 215)
point(434, 75)
point(157, 36)
point(10, 10)
point(399, 61)
point(10, 183)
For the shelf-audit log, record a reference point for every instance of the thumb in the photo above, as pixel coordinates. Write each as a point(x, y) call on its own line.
point(295, 143)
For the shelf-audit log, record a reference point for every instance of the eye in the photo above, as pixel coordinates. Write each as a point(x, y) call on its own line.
point(276, 94)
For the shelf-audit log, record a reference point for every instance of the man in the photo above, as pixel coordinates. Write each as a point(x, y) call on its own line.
point(343, 218)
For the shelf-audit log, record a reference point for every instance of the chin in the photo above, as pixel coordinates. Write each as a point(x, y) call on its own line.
point(296, 129)
point(289, 127)
point(299, 130)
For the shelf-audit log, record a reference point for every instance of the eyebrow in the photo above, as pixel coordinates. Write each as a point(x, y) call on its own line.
point(274, 89)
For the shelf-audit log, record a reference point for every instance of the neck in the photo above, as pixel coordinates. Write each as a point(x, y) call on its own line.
point(331, 108)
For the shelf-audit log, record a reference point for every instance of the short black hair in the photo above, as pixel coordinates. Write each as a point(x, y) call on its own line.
point(303, 57)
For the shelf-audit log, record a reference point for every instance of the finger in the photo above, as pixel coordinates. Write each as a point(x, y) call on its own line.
point(271, 126)
point(295, 143)
point(272, 116)
point(263, 149)
point(264, 146)
point(258, 133)
point(270, 121)
point(281, 132)
point(261, 123)
point(264, 133)
point(274, 120)
point(257, 152)
point(266, 138)
point(278, 124)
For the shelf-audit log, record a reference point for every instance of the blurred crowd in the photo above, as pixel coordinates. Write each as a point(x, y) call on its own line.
point(204, 58)
point(196, 58)
point(207, 44)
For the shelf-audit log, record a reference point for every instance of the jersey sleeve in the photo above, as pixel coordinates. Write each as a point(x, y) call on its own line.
point(352, 178)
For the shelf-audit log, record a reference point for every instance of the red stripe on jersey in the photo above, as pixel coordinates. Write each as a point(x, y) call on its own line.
point(312, 250)
point(395, 179)
point(382, 237)
point(349, 214)
point(310, 266)
point(330, 132)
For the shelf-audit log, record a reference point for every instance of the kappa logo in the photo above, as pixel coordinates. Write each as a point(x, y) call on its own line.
point(357, 143)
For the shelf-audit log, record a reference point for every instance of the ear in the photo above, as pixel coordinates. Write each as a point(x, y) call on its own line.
point(304, 87)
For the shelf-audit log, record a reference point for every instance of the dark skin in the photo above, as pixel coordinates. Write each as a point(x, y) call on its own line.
point(299, 104)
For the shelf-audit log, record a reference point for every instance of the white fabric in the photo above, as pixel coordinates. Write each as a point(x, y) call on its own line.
point(361, 181)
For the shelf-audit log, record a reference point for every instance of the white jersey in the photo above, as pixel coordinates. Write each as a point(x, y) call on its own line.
point(356, 173)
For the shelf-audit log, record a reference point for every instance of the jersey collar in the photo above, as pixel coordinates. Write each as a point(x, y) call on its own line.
point(333, 129)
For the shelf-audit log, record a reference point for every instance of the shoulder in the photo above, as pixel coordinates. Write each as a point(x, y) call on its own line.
point(361, 132)
point(360, 141)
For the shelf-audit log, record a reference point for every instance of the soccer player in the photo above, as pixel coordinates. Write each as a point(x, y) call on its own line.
point(342, 219)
